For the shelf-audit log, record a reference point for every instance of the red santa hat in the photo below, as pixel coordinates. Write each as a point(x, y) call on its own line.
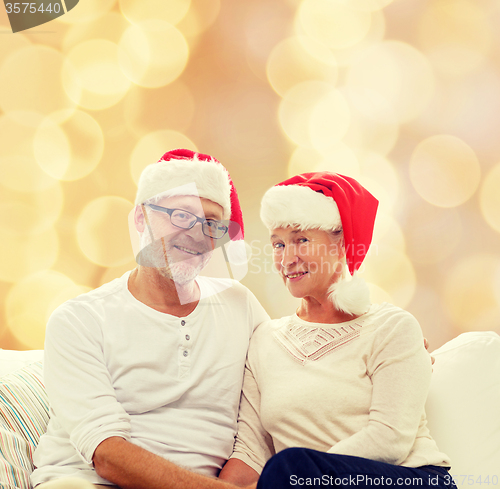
point(328, 201)
point(178, 168)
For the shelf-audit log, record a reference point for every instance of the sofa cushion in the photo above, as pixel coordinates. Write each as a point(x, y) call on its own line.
point(463, 407)
point(12, 360)
point(24, 414)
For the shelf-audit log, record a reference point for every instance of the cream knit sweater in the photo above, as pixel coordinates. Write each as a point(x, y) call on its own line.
point(354, 388)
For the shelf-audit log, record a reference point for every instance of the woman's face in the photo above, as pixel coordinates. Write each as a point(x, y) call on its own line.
point(308, 261)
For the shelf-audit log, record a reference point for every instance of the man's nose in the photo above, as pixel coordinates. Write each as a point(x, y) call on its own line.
point(196, 232)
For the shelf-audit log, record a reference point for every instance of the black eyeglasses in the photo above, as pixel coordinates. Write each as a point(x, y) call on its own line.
point(186, 220)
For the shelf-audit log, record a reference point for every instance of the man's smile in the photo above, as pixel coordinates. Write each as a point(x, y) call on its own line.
point(187, 250)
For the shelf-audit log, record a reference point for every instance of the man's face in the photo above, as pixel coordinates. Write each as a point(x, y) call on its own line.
point(178, 254)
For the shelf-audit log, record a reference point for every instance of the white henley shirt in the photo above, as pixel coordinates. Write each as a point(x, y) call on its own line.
point(116, 367)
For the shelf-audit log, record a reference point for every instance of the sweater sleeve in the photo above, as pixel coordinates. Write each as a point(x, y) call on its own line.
point(253, 445)
point(400, 371)
point(78, 382)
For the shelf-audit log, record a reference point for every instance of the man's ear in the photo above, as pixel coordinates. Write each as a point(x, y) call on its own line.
point(139, 220)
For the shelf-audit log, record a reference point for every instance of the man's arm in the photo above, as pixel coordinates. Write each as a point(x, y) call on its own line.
point(238, 472)
point(132, 467)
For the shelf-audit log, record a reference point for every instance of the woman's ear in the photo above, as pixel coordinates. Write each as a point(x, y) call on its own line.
point(339, 244)
point(139, 220)
point(342, 247)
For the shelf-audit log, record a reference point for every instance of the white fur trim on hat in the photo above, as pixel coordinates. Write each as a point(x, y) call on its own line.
point(350, 295)
point(211, 180)
point(295, 205)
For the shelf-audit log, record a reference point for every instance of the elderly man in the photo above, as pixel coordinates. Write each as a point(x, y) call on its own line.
point(144, 373)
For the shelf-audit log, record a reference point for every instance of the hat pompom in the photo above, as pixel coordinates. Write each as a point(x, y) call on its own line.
point(350, 296)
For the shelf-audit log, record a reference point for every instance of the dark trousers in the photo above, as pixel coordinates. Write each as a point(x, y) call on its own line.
point(304, 468)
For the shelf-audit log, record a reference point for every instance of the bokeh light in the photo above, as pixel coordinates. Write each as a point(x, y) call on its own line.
point(403, 96)
point(31, 84)
point(387, 232)
point(265, 27)
point(392, 271)
point(391, 75)
point(428, 308)
point(369, 5)
point(18, 218)
point(71, 261)
point(146, 110)
point(433, 233)
point(379, 177)
point(496, 284)
point(31, 301)
point(22, 256)
point(338, 159)
point(444, 170)
point(347, 56)
point(94, 69)
point(200, 16)
point(153, 146)
point(87, 11)
point(18, 167)
point(304, 160)
point(298, 59)
point(172, 11)
point(306, 116)
point(468, 108)
point(69, 150)
point(330, 119)
point(11, 44)
point(28, 214)
point(102, 231)
point(490, 198)
point(387, 269)
point(457, 36)
point(378, 295)
point(378, 132)
point(109, 27)
point(153, 53)
point(469, 293)
point(336, 24)
point(245, 120)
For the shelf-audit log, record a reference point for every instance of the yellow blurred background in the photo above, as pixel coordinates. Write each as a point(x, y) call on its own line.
point(403, 95)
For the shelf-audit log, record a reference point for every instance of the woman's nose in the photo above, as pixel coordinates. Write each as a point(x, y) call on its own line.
point(289, 256)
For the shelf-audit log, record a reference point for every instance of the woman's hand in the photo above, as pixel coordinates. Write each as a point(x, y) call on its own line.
point(426, 344)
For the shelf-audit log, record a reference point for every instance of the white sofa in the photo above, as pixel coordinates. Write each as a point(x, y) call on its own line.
point(463, 410)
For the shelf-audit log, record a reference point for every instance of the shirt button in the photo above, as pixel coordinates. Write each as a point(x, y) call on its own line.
point(183, 322)
point(188, 337)
point(185, 353)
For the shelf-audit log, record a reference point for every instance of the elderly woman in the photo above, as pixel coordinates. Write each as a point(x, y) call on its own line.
point(333, 394)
